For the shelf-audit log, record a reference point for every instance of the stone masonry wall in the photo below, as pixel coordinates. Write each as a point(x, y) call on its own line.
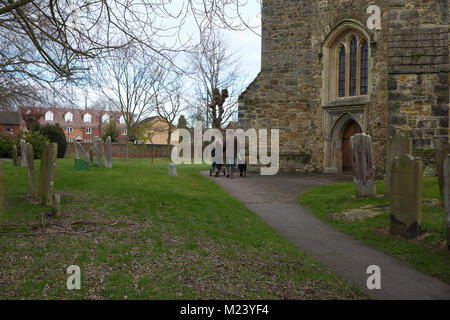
point(418, 70)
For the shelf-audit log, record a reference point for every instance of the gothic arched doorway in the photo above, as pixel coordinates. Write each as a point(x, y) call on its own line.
point(351, 129)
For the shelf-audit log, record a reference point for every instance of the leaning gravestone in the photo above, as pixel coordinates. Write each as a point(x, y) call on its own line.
point(439, 157)
point(82, 154)
point(14, 156)
point(172, 170)
point(363, 169)
point(98, 151)
point(23, 155)
point(47, 173)
point(400, 144)
point(447, 197)
point(30, 168)
point(108, 153)
point(406, 196)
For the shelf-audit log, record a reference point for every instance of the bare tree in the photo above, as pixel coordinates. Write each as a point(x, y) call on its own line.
point(215, 67)
point(170, 104)
point(130, 80)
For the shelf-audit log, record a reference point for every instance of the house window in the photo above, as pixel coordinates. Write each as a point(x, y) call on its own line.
point(353, 62)
point(9, 130)
point(69, 129)
point(87, 118)
point(68, 117)
point(124, 132)
point(49, 116)
point(105, 118)
point(122, 120)
point(342, 68)
point(88, 141)
point(364, 67)
point(70, 140)
point(88, 130)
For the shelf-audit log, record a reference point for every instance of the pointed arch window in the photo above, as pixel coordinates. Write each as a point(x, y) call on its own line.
point(353, 66)
point(342, 68)
point(364, 68)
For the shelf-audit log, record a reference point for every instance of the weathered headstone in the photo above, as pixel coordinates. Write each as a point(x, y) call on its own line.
point(2, 190)
point(23, 155)
point(14, 155)
point(47, 173)
point(439, 157)
point(91, 155)
point(172, 170)
point(406, 196)
point(108, 153)
point(98, 151)
point(447, 197)
point(56, 205)
point(81, 154)
point(30, 168)
point(363, 169)
point(399, 145)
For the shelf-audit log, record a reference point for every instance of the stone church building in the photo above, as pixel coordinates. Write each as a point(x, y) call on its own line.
point(334, 68)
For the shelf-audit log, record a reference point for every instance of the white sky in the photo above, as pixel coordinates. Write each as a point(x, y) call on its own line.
point(246, 44)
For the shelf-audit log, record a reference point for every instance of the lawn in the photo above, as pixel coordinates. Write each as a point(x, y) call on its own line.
point(138, 234)
point(427, 253)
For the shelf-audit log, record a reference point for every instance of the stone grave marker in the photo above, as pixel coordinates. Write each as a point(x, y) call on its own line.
point(2, 190)
point(439, 157)
point(108, 153)
point(172, 170)
point(47, 172)
point(23, 155)
point(363, 169)
point(400, 144)
point(82, 154)
point(98, 151)
point(14, 156)
point(30, 168)
point(406, 197)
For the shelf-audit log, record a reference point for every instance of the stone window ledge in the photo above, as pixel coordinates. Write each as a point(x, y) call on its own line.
point(347, 101)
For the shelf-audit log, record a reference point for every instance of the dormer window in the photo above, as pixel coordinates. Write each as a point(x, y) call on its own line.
point(68, 117)
point(87, 118)
point(49, 116)
point(105, 118)
point(122, 120)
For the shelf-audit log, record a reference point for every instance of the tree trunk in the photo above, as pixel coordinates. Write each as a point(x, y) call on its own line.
point(126, 149)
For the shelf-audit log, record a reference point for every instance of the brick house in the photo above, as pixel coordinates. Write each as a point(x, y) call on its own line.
point(9, 123)
point(81, 125)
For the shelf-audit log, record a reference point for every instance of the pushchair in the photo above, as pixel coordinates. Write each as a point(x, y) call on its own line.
point(222, 170)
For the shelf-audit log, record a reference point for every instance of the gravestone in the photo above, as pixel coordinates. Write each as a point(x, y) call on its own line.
point(47, 172)
point(23, 155)
point(400, 144)
point(98, 151)
point(81, 154)
point(2, 190)
point(91, 155)
point(363, 169)
point(439, 157)
point(14, 156)
point(406, 196)
point(447, 197)
point(30, 168)
point(172, 170)
point(108, 153)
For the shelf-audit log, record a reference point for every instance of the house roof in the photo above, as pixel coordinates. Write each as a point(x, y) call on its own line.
point(59, 113)
point(9, 118)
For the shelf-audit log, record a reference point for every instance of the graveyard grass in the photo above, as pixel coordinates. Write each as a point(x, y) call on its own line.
point(427, 254)
point(137, 233)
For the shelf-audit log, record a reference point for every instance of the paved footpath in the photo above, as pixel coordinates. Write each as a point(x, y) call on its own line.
point(275, 200)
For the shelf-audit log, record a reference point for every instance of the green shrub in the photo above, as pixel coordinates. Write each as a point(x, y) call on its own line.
point(6, 144)
point(55, 133)
point(36, 139)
